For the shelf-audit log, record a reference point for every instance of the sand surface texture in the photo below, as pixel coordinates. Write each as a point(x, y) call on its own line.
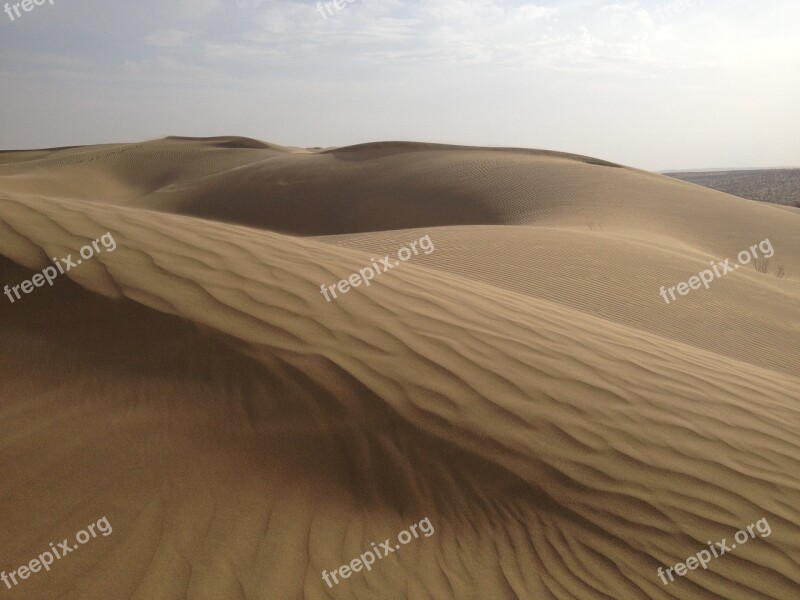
point(524, 386)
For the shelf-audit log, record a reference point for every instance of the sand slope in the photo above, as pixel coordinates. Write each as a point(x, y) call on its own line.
point(524, 386)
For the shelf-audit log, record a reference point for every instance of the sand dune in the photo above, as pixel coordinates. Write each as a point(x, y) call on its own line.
point(524, 386)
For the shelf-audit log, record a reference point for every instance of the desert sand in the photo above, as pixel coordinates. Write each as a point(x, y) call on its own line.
point(524, 386)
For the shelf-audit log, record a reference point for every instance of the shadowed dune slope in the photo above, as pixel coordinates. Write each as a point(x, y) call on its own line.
point(242, 435)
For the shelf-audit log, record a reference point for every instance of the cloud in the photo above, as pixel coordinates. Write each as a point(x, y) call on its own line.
point(168, 38)
point(573, 36)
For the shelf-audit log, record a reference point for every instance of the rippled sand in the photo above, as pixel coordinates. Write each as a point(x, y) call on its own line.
point(524, 386)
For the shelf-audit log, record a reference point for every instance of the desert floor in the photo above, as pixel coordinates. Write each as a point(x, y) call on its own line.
point(523, 386)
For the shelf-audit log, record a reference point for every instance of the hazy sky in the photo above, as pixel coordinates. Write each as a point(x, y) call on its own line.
point(656, 85)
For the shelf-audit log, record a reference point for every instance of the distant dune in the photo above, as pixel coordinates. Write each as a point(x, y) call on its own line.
point(780, 186)
point(524, 386)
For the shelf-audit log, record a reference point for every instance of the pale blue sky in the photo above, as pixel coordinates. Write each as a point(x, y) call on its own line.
point(656, 85)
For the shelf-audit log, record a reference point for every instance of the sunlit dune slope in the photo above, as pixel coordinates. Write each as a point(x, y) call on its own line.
point(750, 315)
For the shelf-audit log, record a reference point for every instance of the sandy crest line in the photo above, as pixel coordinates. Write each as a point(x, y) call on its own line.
point(367, 274)
point(50, 273)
